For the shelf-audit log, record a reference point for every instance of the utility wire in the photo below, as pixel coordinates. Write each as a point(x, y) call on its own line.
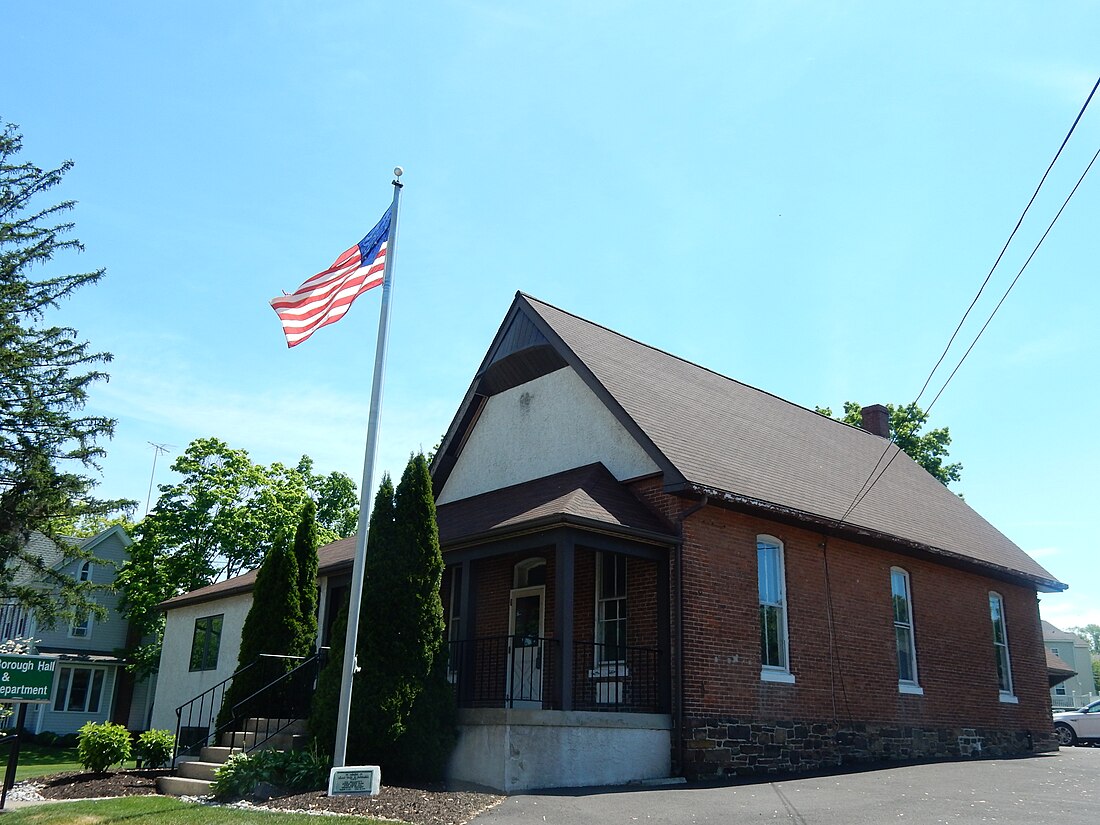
point(876, 473)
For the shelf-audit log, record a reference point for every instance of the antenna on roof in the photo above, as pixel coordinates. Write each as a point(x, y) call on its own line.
point(158, 450)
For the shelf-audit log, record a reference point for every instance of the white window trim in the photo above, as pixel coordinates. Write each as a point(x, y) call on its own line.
point(69, 688)
point(910, 687)
point(776, 673)
point(84, 574)
point(89, 622)
point(606, 668)
point(1006, 696)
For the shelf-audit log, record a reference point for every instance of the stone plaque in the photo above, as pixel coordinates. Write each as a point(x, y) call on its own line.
point(355, 780)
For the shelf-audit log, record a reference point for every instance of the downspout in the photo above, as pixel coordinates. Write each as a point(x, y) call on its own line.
point(678, 722)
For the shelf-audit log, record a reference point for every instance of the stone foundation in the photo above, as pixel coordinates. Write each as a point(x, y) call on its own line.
point(729, 747)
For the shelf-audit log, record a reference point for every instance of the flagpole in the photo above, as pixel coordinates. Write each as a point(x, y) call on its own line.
point(366, 495)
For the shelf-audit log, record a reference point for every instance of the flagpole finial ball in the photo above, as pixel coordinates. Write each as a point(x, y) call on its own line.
point(398, 171)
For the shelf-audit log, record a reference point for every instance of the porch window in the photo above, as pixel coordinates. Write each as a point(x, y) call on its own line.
point(79, 689)
point(205, 643)
point(610, 608)
point(774, 665)
point(903, 631)
point(454, 622)
point(1000, 647)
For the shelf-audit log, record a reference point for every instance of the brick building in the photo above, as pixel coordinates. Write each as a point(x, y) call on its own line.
point(650, 570)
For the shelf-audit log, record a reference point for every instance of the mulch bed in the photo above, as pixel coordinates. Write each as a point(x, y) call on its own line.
point(423, 805)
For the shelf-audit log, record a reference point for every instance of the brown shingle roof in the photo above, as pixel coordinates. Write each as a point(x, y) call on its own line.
point(585, 495)
point(710, 433)
point(330, 559)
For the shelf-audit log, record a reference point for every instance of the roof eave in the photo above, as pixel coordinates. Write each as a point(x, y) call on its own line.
point(553, 521)
point(830, 526)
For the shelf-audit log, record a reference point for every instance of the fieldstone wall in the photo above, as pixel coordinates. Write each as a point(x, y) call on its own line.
point(715, 748)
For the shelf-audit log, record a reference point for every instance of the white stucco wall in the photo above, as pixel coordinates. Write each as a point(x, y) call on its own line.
point(519, 750)
point(551, 424)
point(175, 683)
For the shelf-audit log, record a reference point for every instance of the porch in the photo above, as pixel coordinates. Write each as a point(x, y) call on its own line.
point(557, 603)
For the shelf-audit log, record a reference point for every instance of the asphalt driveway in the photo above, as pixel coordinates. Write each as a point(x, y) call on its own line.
point(1061, 789)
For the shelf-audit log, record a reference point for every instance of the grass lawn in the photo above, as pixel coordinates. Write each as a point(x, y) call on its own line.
point(158, 810)
point(37, 760)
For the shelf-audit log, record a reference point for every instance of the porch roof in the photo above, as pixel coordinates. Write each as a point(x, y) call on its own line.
point(587, 496)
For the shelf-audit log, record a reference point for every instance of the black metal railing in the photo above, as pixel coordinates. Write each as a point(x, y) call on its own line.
point(615, 678)
point(285, 697)
point(526, 671)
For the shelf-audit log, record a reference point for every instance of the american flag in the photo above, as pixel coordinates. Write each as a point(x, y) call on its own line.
point(326, 297)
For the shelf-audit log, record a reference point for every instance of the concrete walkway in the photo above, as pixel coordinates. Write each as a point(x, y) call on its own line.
point(1060, 789)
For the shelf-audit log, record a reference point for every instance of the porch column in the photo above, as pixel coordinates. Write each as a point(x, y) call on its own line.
point(664, 648)
point(563, 616)
point(466, 596)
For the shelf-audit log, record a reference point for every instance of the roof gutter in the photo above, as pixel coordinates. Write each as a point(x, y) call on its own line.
point(830, 526)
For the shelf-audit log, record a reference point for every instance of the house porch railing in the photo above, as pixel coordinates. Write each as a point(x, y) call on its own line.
point(526, 672)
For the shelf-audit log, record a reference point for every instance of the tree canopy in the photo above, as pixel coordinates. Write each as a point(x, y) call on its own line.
point(222, 519)
point(929, 449)
point(47, 443)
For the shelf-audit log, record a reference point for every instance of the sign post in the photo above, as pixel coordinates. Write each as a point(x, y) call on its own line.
point(24, 680)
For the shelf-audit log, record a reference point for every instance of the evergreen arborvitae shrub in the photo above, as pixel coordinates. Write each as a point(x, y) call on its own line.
point(305, 553)
point(272, 626)
point(326, 698)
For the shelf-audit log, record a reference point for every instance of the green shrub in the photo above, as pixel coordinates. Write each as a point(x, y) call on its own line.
point(100, 746)
point(294, 770)
point(154, 748)
point(67, 740)
point(47, 738)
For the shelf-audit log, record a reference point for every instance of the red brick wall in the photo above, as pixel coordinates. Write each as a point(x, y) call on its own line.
point(846, 670)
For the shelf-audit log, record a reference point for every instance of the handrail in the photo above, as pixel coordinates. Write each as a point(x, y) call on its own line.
point(314, 659)
point(206, 714)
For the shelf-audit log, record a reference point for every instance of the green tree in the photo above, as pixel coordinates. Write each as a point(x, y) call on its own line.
point(929, 449)
point(1096, 673)
point(403, 715)
point(305, 555)
point(47, 444)
point(273, 626)
point(220, 520)
point(1091, 634)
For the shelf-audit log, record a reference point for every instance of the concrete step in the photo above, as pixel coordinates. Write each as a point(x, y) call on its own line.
point(182, 786)
point(198, 770)
point(280, 741)
point(217, 753)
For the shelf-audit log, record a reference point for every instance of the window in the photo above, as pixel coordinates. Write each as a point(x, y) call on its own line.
point(85, 574)
point(79, 689)
point(454, 623)
point(610, 608)
point(529, 573)
point(903, 631)
point(1060, 690)
point(81, 628)
point(205, 643)
point(1000, 647)
point(774, 665)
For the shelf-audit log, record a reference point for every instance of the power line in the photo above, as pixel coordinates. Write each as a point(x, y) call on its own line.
point(158, 450)
point(876, 474)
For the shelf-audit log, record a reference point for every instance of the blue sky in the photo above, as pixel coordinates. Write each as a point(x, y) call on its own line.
point(801, 196)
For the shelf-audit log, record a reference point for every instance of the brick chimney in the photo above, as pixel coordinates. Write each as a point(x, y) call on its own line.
point(876, 419)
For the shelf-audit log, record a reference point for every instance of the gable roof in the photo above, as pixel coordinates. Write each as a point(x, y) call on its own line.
point(331, 559)
point(586, 496)
point(738, 445)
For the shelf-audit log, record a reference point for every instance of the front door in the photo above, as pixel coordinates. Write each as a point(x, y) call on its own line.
point(525, 647)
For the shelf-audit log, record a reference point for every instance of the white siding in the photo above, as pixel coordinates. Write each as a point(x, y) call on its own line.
point(175, 683)
point(545, 426)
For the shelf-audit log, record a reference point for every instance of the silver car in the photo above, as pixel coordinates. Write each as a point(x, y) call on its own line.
point(1083, 724)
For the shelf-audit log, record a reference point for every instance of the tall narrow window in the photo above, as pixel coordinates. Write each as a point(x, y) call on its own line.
point(454, 623)
point(903, 631)
point(85, 574)
point(610, 608)
point(206, 642)
point(1000, 647)
point(773, 610)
